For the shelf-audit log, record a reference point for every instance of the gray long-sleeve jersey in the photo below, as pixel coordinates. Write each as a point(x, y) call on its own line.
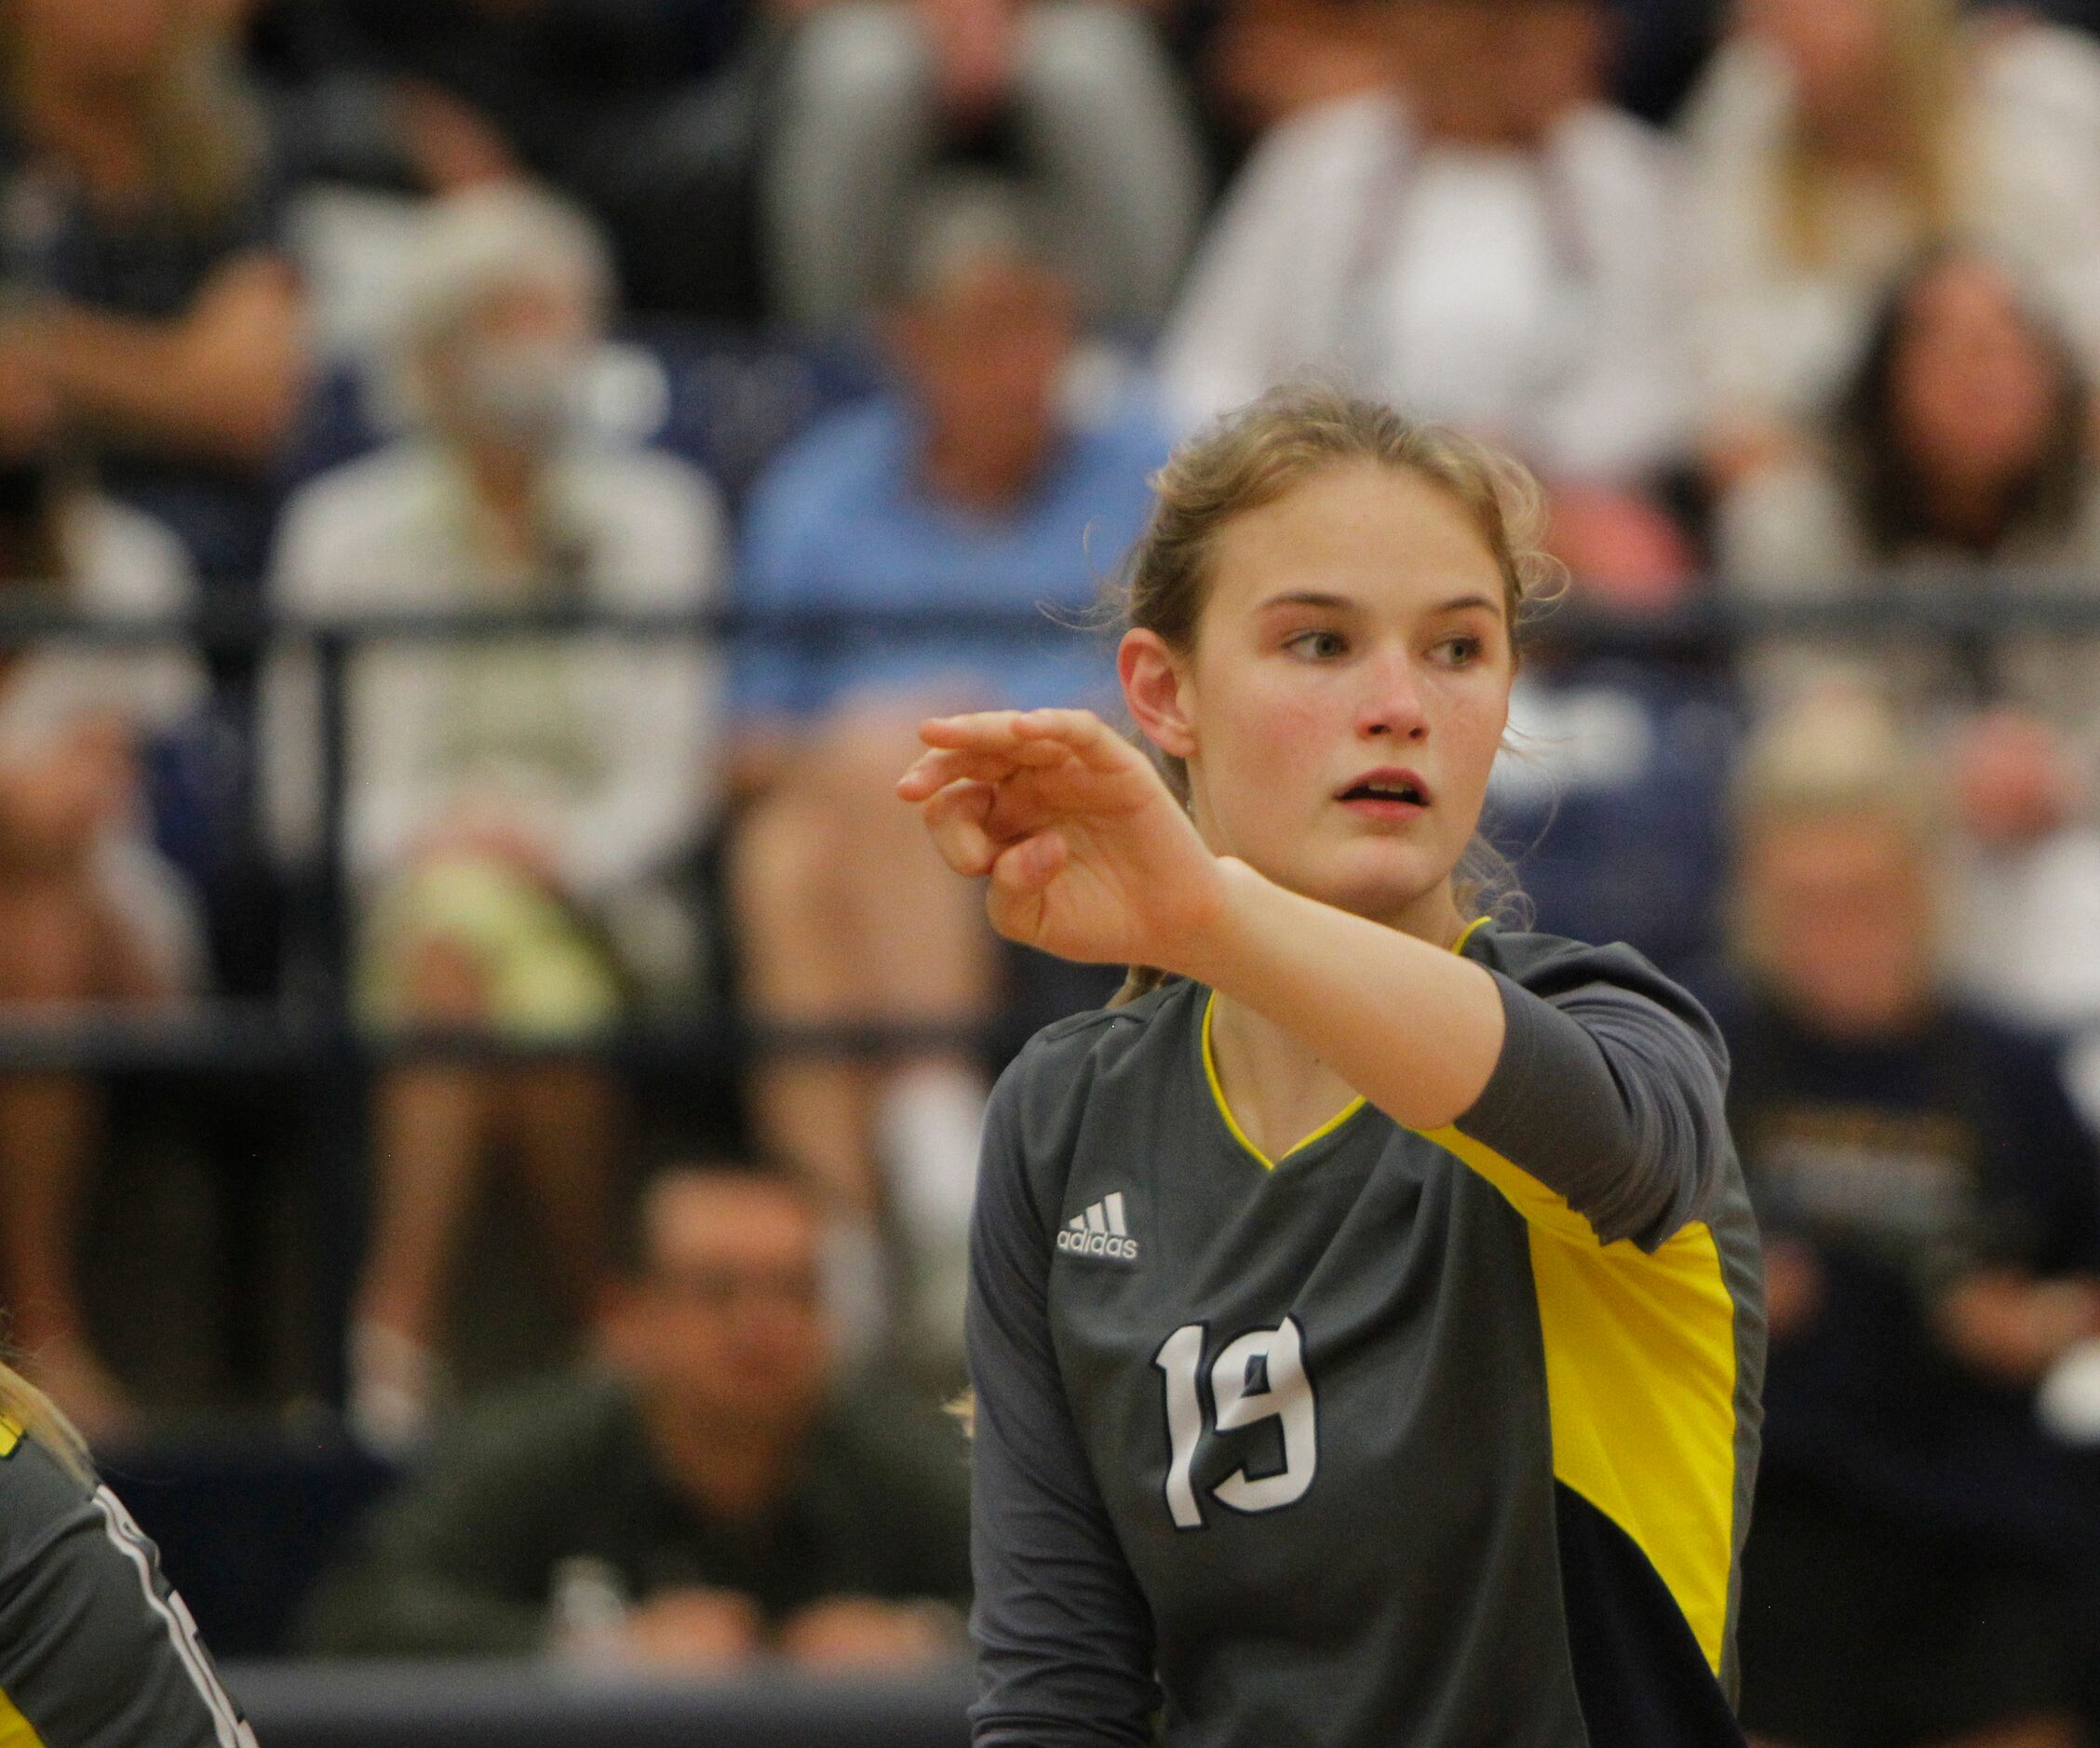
point(96, 1651)
point(1404, 1440)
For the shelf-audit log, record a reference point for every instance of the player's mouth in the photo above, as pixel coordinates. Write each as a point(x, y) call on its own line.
point(1390, 792)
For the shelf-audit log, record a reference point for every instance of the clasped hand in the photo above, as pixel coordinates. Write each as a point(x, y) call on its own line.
point(1089, 856)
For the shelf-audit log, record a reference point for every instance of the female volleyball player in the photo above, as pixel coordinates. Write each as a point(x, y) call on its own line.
point(96, 1651)
point(1365, 1322)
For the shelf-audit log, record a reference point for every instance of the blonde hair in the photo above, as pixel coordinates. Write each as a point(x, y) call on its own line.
point(28, 1409)
point(1253, 457)
point(1926, 81)
point(205, 136)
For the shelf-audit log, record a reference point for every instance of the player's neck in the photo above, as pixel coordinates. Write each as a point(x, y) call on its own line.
point(1279, 1091)
point(1278, 1088)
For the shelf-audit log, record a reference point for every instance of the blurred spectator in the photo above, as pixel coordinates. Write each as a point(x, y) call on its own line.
point(516, 808)
point(973, 486)
point(706, 1498)
point(1256, 62)
point(139, 248)
point(1964, 441)
point(88, 911)
point(1078, 91)
point(1262, 62)
point(1483, 241)
point(1928, 1200)
point(643, 111)
point(1831, 141)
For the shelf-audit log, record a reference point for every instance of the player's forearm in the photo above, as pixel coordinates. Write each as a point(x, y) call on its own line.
point(1415, 1029)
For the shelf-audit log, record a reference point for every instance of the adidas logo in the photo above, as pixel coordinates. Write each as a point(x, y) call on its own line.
point(1100, 1231)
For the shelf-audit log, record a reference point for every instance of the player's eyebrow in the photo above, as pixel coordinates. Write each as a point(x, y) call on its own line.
point(1308, 598)
point(1343, 603)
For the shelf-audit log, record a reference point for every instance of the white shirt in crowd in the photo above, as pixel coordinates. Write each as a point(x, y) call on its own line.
point(1525, 295)
point(605, 747)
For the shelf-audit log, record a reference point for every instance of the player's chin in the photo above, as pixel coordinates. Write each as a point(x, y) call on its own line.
point(1384, 880)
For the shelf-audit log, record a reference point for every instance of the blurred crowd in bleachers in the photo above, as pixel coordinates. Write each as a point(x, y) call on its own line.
point(324, 309)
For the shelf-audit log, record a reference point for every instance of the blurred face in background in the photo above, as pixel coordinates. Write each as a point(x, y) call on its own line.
point(102, 43)
point(984, 352)
point(1839, 915)
point(1837, 51)
point(510, 373)
point(1495, 72)
point(725, 1324)
point(1975, 390)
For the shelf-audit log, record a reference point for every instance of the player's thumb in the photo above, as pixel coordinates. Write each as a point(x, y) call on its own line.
point(1025, 869)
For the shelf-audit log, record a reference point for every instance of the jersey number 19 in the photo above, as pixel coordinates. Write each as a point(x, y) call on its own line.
point(1260, 1376)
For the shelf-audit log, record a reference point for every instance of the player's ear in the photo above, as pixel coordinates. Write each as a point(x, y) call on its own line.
point(1155, 686)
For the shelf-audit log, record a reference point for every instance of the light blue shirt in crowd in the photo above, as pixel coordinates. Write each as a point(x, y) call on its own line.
point(841, 520)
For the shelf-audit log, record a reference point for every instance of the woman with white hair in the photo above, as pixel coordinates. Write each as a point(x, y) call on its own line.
point(514, 805)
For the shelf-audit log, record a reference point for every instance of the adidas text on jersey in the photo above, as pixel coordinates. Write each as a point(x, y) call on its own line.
point(1100, 1231)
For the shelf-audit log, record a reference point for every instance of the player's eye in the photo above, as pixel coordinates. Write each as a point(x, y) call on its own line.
point(1460, 651)
point(1316, 644)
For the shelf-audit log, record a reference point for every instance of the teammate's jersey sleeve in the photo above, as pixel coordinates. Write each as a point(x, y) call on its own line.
point(96, 1650)
point(1610, 1091)
point(1063, 1633)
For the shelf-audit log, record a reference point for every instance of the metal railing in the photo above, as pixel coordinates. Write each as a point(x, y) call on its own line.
point(312, 1036)
point(280, 1036)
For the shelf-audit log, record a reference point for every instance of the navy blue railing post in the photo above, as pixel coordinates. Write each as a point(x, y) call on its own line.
point(338, 1114)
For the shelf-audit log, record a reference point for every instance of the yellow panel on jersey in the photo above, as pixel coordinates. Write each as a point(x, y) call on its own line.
point(1640, 1385)
point(16, 1732)
point(10, 1435)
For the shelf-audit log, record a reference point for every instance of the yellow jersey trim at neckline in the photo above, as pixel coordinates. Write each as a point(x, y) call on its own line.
point(1326, 1128)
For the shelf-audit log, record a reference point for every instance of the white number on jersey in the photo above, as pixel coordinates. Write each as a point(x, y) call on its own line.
point(1261, 1375)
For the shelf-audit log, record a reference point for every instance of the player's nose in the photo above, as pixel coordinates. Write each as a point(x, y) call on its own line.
point(1391, 705)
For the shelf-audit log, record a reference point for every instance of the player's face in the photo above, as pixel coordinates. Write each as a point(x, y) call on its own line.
point(1348, 691)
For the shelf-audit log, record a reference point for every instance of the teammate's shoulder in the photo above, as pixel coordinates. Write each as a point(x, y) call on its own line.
point(39, 1491)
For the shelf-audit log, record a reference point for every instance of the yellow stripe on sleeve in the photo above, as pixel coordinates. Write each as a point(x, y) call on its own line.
point(1640, 1385)
point(16, 1732)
